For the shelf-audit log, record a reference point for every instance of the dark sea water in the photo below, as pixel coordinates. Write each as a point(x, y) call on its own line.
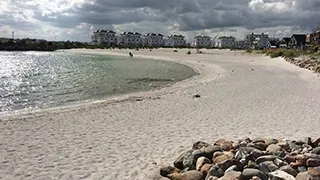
point(36, 80)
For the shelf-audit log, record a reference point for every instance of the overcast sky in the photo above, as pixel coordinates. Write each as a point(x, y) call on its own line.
point(77, 19)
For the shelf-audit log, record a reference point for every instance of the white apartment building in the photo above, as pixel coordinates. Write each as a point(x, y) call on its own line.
point(106, 37)
point(225, 42)
point(132, 39)
point(202, 42)
point(153, 40)
point(257, 41)
point(176, 41)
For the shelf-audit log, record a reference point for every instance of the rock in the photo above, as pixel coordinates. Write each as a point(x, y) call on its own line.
point(212, 178)
point(166, 170)
point(232, 175)
point(316, 142)
point(202, 161)
point(256, 154)
point(215, 171)
point(256, 140)
point(199, 145)
point(280, 175)
point(255, 178)
point(303, 176)
point(268, 165)
point(289, 159)
point(266, 158)
point(288, 169)
point(316, 150)
point(301, 158)
point(230, 162)
point(273, 149)
point(284, 145)
point(221, 158)
point(231, 168)
point(312, 162)
point(197, 96)
point(308, 141)
point(189, 175)
point(249, 173)
point(178, 163)
point(314, 172)
point(205, 169)
point(219, 141)
point(279, 162)
point(226, 145)
point(302, 169)
point(259, 145)
point(271, 141)
point(216, 154)
point(310, 155)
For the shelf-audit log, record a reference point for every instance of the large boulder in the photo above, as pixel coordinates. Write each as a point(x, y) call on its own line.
point(288, 169)
point(215, 171)
point(166, 170)
point(189, 175)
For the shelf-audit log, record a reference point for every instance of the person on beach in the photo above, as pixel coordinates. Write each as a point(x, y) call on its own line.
point(130, 54)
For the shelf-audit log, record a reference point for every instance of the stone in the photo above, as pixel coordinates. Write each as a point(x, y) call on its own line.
point(271, 141)
point(231, 168)
point(316, 142)
point(210, 150)
point(189, 175)
point(249, 173)
point(316, 150)
point(284, 145)
point(178, 163)
point(288, 169)
point(197, 96)
point(314, 171)
point(311, 155)
point(221, 158)
point(232, 175)
point(308, 141)
point(289, 159)
point(216, 154)
point(259, 145)
point(166, 170)
point(219, 141)
point(212, 178)
point(280, 175)
point(278, 162)
point(266, 158)
point(215, 171)
point(273, 149)
point(269, 165)
point(256, 140)
point(255, 178)
point(205, 169)
point(256, 154)
point(202, 161)
point(230, 162)
point(301, 158)
point(199, 145)
point(226, 145)
point(312, 162)
point(303, 176)
point(302, 169)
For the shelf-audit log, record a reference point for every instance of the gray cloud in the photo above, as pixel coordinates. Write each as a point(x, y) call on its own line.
point(181, 16)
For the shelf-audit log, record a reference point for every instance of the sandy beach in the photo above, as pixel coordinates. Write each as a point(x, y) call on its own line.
point(131, 136)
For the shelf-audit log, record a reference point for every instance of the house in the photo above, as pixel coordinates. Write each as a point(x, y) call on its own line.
point(225, 42)
point(239, 45)
point(257, 41)
point(284, 42)
point(176, 41)
point(5, 40)
point(106, 37)
point(298, 41)
point(130, 39)
point(202, 42)
point(272, 44)
point(315, 36)
point(153, 40)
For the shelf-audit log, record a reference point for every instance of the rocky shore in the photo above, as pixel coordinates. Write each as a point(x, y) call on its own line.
point(248, 159)
point(309, 63)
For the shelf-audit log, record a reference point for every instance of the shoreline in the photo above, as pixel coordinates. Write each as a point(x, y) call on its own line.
point(116, 98)
point(241, 96)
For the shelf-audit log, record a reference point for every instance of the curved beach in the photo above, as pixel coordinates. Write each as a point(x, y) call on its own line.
point(131, 136)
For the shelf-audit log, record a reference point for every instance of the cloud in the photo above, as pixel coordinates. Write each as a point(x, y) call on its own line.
point(166, 16)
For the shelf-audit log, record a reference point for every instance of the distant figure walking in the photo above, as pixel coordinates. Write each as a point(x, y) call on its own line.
point(130, 54)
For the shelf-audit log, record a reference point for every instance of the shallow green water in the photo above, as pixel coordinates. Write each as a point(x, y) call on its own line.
point(32, 80)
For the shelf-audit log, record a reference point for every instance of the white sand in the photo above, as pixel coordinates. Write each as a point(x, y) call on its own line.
point(127, 139)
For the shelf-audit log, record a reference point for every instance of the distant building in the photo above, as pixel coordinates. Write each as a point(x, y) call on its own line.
point(284, 42)
point(105, 37)
point(153, 40)
point(298, 41)
point(257, 41)
point(240, 44)
point(225, 42)
point(315, 36)
point(176, 41)
point(130, 39)
point(202, 42)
